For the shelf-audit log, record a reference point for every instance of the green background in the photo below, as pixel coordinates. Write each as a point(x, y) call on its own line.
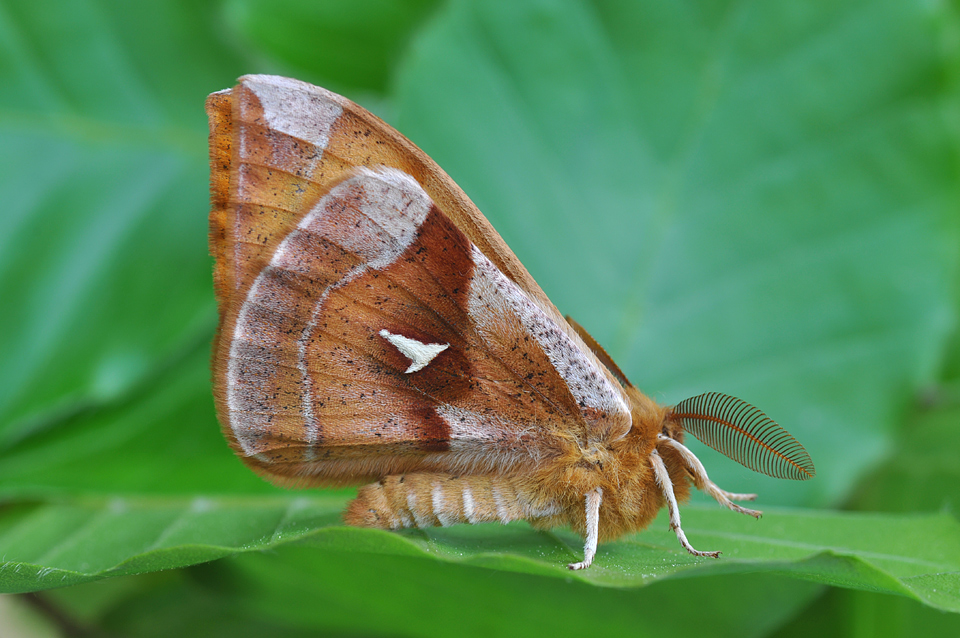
point(754, 198)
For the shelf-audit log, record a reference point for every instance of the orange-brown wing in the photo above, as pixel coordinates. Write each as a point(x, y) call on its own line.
point(380, 340)
point(363, 331)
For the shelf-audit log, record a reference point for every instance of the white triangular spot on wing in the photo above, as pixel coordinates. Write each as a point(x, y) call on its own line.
point(420, 354)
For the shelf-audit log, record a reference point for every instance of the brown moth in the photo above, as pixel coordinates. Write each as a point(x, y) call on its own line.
point(375, 328)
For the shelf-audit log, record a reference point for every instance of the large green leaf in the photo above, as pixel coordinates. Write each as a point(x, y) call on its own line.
point(80, 539)
point(843, 612)
point(925, 471)
point(103, 268)
point(165, 441)
point(353, 44)
point(284, 594)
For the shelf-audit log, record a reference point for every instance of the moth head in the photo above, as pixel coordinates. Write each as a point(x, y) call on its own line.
point(742, 432)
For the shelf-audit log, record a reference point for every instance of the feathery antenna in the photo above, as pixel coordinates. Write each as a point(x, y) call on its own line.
point(745, 434)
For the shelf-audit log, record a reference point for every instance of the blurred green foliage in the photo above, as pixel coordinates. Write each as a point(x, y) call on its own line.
point(759, 198)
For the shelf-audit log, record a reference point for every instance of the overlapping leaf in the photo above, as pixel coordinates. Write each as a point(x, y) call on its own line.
point(78, 540)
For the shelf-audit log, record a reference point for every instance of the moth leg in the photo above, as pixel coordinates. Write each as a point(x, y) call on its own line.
point(703, 482)
point(592, 508)
point(666, 486)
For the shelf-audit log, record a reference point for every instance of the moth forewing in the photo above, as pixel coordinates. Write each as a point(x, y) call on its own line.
point(374, 327)
point(277, 146)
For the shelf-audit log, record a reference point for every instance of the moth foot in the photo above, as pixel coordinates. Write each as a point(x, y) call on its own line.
point(745, 510)
point(687, 546)
point(581, 565)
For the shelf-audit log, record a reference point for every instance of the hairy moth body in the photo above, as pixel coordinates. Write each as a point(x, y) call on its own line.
point(548, 496)
point(375, 328)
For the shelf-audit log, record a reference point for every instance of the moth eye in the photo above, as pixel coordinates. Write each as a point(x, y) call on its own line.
point(745, 434)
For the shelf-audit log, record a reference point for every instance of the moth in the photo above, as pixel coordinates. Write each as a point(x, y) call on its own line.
point(375, 329)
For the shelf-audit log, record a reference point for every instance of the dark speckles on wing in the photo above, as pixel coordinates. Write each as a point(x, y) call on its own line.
point(356, 270)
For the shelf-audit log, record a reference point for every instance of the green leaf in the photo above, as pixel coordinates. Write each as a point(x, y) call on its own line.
point(278, 594)
point(163, 441)
point(103, 183)
point(843, 612)
point(352, 45)
point(388, 595)
point(80, 539)
point(924, 473)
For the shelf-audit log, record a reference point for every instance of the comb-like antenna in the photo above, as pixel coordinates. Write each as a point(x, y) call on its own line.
point(745, 434)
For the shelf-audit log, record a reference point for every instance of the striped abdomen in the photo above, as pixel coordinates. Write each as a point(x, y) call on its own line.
point(428, 500)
